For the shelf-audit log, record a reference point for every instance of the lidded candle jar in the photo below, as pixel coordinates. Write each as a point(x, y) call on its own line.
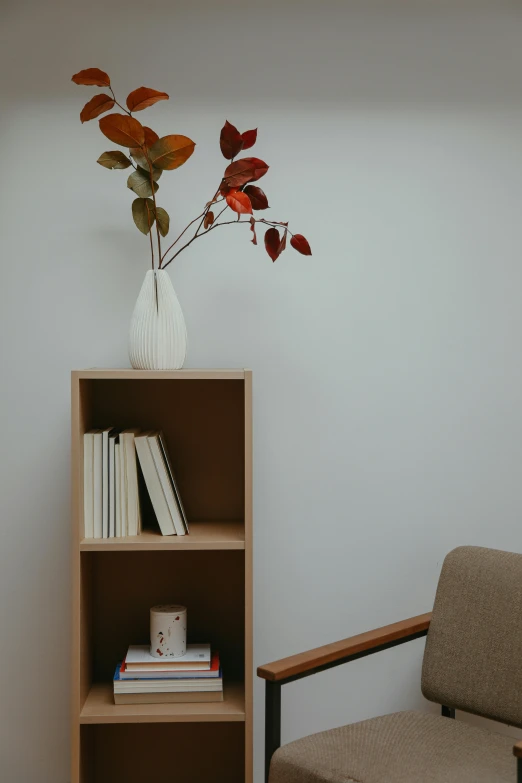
point(168, 631)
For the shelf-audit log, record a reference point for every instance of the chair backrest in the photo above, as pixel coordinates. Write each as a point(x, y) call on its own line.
point(473, 656)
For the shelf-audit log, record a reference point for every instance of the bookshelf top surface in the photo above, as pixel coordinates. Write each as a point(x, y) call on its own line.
point(100, 708)
point(217, 534)
point(95, 373)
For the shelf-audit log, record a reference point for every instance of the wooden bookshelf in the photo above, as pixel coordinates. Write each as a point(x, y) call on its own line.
point(206, 418)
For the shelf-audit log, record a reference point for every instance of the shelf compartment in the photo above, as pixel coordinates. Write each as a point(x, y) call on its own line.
point(120, 587)
point(215, 534)
point(169, 752)
point(203, 422)
point(99, 707)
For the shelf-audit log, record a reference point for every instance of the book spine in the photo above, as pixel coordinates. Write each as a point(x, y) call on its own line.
point(123, 489)
point(117, 479)
point(166, 485)
point(112, 488)
point(97, 481)
point(131, 485)
point(154, 488)
point(105, 484)
point(88, 485)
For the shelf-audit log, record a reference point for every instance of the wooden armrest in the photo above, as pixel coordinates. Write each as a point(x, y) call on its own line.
point(517, 749)
point(355, 646)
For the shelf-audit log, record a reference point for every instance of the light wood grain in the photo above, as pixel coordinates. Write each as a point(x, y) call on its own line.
point(100, 708)
point(517, 749)
point(306, 661)
point(175, 375)
point(249, 631)
point(76, 499)
point(203, 535)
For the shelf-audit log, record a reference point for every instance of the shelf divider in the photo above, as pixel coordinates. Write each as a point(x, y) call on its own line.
point(99, 707)
point(216, 534)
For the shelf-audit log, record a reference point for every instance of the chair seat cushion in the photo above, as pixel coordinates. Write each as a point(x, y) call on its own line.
point(405, 747)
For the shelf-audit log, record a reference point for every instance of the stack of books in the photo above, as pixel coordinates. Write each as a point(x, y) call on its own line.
point(143, 679)
point(111, 488)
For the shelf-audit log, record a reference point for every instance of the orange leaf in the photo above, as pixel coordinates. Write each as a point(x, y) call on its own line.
point(92, 76)
point(209, 219)
point(123, 130)
point(172, 151)
point(300, 244)
point(96, 106)
point(256, 196)
point(143, 97)
point(150, 136)
point(239, 202)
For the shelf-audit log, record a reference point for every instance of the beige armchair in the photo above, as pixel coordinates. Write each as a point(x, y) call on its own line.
point(472, 662)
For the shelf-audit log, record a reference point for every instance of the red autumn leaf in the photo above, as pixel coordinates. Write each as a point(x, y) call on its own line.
point(249, 138)
point(150, 136)
point(253, 230)
point(123, 130)
point(144, 97)
point(300, 244)
point(239, 202)
point(96, 106)
point(256, 196)
point(273, 243)
point(242, 171)
point(92, 76)
point(209, 219)
point(259, 168)
point(230, 141)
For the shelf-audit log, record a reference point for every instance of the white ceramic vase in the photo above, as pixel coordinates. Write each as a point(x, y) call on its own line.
point(158, 335)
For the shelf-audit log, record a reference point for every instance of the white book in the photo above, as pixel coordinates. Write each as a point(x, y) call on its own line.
point(173, 481)
point(113, 437)
point(166, 698)
point(117, 468)
point(166, 484)
point(105, 482)
point(98, 493)
point(132, 499)
point(88, 485)
point(154, 487)
point(197, 657)
point(122, 496)
point(168, 686)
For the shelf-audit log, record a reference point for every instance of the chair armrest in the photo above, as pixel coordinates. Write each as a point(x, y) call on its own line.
point(517, 749)
point(303, 664)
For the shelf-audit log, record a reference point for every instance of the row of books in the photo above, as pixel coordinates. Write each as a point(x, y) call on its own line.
point(111, 485)
point(143, 679)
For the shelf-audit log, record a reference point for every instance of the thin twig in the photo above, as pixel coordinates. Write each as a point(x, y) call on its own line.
point(119, 104)
point(150, 237)
point(206, 212)
point(198, 236)
point(167, 251)
point(152, 183)
point(226, 223)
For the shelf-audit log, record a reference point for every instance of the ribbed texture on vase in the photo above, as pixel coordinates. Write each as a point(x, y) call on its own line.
point(158, 335)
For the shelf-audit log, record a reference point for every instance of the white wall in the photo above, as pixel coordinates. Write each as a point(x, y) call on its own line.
point(387, 367)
